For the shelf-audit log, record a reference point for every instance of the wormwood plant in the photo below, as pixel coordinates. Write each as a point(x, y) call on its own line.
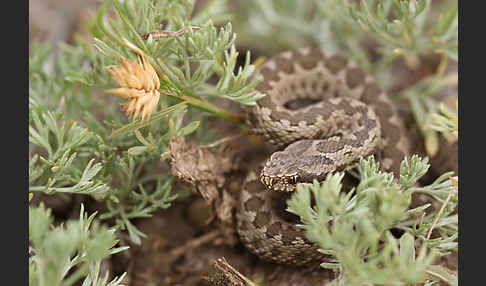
point(355, 226)
point(77, 247)
point(73, 148)
point(81, 143)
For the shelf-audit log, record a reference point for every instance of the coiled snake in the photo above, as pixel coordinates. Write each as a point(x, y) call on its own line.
point(348, 117)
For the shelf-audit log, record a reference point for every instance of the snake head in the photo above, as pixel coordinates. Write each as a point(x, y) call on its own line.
point(280, 172)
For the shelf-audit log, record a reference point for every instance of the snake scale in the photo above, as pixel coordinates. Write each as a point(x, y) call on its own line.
point(346, 117)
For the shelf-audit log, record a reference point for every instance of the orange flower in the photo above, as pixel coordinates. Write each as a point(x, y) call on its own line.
point(138, 82)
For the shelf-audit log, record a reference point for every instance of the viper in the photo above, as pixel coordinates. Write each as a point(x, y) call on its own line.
point(323, 113)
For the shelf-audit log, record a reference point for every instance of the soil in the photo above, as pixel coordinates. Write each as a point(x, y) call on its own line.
point(181, 247)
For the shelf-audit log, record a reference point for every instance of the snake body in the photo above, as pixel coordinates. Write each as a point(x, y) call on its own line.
point(348, 117)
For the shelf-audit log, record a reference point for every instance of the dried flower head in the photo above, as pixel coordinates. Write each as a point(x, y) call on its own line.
point(139, 83)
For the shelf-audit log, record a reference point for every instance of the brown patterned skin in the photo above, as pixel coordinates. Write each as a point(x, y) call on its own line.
point(349, 117)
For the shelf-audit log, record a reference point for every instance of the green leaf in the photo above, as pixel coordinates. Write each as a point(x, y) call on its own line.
point(137, 150)
point(134, 233)
point(131, 127)
point(188, 129)
point(407, 248)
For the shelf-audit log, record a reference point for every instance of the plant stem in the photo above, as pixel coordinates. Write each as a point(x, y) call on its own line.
point(209, 107)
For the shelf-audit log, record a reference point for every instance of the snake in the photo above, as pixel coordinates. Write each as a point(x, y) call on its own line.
point(322, 113)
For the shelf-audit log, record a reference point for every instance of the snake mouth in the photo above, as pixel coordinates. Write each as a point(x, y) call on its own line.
point(285, 183)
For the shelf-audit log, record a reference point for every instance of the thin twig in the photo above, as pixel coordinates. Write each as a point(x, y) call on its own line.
point(193, 243)
point(222, 140)
point(225, 274)
point(442, 65)
point(451, 193)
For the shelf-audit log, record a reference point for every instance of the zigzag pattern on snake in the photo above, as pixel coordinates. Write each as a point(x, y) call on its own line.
point(346, 117)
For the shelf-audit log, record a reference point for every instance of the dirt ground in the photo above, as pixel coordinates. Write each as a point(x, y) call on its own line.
point(181, 247)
